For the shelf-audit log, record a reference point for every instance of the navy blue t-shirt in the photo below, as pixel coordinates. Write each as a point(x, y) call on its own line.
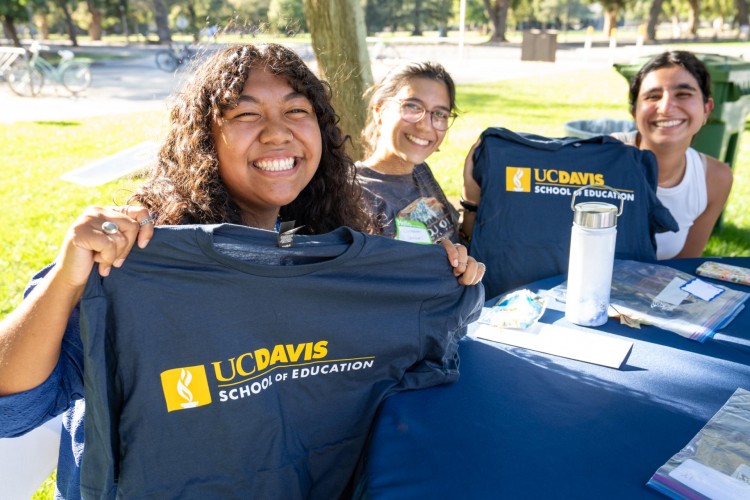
point(523, 224)
point(220, 365)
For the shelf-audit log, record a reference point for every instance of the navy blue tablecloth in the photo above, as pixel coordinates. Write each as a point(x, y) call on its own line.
point(521, 424)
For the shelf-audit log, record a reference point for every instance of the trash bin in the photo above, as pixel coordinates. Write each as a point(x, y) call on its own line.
point(599, 126)
point(537, 45)
point(730, 89)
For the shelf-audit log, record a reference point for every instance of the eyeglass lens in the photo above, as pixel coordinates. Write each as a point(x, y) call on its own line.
point(413, 112)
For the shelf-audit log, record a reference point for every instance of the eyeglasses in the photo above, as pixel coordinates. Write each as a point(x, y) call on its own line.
point(412, 112)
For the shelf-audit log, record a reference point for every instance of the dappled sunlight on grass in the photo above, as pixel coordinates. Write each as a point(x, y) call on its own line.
point(38, 206)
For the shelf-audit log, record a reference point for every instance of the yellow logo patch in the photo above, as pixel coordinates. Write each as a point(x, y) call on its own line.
point(518, 179)
point(185, 388)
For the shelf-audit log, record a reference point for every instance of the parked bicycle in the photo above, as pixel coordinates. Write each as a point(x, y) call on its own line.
point(26, 77)
point(170, 59)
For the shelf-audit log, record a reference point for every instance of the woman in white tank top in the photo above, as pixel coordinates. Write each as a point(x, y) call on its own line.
point(670, 100)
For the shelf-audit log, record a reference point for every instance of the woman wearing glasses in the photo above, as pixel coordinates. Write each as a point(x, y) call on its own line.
point(410, 112)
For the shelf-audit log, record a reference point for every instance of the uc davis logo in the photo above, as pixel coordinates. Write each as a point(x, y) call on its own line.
point(185, 388)
point(518, 179)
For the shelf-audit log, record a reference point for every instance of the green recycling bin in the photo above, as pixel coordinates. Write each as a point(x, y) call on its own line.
point(730, 89)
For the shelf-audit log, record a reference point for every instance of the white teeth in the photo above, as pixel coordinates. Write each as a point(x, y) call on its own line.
point(275, 165)
point(417, 140)
point(670, 123)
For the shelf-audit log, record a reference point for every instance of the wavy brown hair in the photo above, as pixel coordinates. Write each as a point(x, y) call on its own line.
point(184, 186)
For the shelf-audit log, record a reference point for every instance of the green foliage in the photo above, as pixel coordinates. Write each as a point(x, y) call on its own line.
point(15, 9)
point(287, 16)
point(391, 15)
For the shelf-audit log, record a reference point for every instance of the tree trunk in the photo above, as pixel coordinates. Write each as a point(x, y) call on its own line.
point(742, 13)
point(194, 22)
point(653, 19)
point(69, 22)
point(95, 28)
point(417, 31)
point(694, 17)
point(337, 30)
point(610, 20)
point(162, 21)
point(497, 11)
point(42, 25)
point(124, 20)
point(9, 27)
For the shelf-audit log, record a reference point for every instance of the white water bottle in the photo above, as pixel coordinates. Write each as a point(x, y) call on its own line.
point(592, 255)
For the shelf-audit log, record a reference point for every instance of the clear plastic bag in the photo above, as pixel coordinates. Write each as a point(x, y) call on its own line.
point(637, 290)
point(716, 462)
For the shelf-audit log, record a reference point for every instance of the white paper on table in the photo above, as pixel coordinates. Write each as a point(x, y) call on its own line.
point(573, 343)
point(702, 289)
point(710, 482)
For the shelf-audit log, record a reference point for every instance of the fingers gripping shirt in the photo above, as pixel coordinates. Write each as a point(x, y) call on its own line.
point(220, 364)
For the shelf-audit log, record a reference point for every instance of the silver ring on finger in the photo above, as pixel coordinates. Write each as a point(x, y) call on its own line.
point(109, 227)
point(147, 220)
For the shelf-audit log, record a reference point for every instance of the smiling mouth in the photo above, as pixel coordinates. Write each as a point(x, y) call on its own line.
point(416, 140)
point(668, 123)
point(276, 165)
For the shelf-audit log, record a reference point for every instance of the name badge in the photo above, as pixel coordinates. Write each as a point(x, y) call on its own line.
point(412, 231)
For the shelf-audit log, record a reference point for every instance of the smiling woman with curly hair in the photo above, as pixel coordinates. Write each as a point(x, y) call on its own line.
point(186, 185)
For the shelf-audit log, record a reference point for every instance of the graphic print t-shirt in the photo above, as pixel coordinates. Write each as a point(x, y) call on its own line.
point(220, 365)
point(416, 197)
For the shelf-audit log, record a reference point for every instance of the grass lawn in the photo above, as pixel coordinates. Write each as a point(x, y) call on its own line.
point(37, 204)
point(38, 207)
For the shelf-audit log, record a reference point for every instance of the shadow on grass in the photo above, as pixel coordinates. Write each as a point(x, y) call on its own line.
point(58, 123)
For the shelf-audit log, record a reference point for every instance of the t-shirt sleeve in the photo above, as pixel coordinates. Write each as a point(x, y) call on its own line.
point(22, 412)
point(443, 322)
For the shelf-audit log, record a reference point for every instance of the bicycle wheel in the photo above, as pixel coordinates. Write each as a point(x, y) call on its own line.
point(166, 61)
point(76, 77)
point(25, 80)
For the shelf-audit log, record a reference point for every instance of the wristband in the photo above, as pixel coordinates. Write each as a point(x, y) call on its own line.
point(468, 206)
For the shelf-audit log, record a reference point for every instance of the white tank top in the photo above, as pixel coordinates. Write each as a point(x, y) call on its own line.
point(686, 201)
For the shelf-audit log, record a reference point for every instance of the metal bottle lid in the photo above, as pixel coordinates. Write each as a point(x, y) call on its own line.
point(595, 215)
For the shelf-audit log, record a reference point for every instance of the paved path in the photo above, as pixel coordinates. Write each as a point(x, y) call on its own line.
point(124, 85)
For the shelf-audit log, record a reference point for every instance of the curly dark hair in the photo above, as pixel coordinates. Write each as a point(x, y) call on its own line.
point(390, 86)
point(184, 186)
point(683, 58)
